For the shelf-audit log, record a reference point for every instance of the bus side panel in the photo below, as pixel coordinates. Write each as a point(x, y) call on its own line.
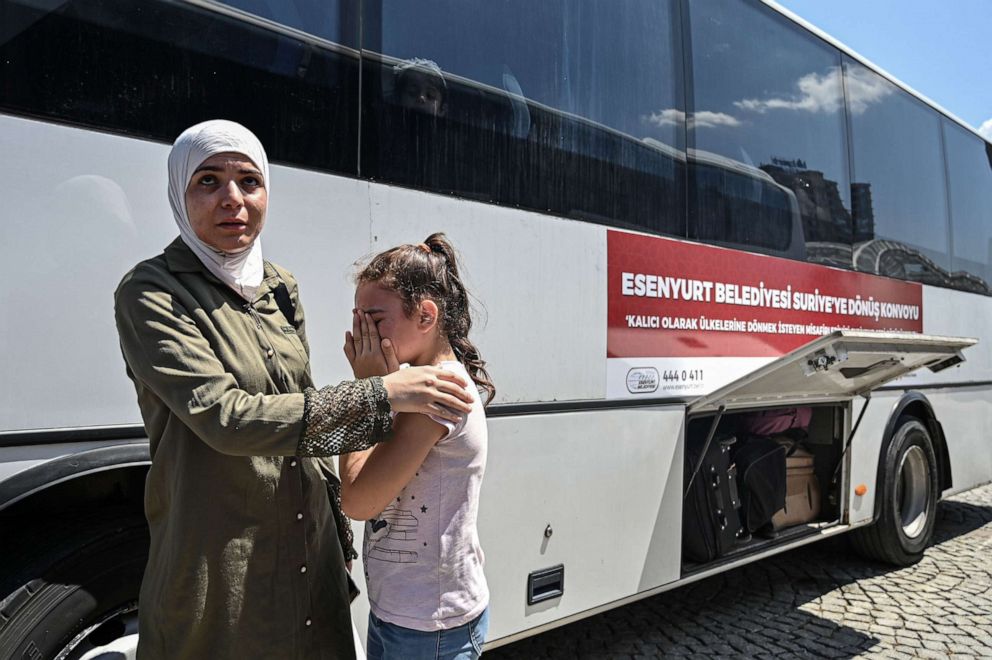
point(962, 411)
point(957, 314)
point(609, 485)
point(80, 209)
point(966, 415)
point(864, 452)
point(538, 286)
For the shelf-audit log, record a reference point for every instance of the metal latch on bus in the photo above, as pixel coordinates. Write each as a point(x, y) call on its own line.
point(546, 584)
point(946, 363)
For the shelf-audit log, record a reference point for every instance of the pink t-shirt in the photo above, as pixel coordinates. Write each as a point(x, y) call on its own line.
point(423, 561)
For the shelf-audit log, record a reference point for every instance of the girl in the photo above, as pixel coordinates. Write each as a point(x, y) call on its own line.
point(419, 493)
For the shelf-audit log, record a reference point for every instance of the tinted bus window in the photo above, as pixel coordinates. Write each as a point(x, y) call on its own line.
point(738, 205)
point(768, 103)
point(332, 21)
point(900, 207)
point(570, 107)
point(153, 68)
point(969, 182)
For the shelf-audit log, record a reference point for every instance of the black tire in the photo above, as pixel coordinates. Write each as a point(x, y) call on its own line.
point(69, 578)
point(907, 502)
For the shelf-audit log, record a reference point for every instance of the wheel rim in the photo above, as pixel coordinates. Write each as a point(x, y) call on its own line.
point(112, 634)
point(913, 492)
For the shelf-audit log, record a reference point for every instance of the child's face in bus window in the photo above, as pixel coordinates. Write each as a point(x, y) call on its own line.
point(226, 200)
point(412, 336)
point(423, 93)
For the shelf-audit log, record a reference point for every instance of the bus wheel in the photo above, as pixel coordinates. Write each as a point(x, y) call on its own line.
point(74, 591)
point(908, 500)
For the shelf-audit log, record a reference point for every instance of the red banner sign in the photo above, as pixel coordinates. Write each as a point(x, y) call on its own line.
point(669, 298)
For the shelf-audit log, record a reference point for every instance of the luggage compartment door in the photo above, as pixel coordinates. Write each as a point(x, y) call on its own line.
point(835, 367)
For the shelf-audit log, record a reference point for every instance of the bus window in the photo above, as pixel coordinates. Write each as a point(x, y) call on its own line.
point(969, 185)
point(568, 107)
point(768, 96)
point(743, 207)
point(333, 21)
point(898, 175)
point(152, 68)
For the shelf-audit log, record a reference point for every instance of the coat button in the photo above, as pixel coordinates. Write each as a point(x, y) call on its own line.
point(303, 569)
point(292, 463)
point(299, 516)
point(309, 622)
point(269, 353)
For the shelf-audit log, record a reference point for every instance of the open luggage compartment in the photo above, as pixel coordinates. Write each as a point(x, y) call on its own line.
point(780, 485)
point(765, 459)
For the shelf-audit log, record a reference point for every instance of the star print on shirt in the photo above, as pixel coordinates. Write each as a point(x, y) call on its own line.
point(423, 509)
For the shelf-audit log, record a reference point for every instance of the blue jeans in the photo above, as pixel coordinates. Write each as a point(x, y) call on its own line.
point(388, 641)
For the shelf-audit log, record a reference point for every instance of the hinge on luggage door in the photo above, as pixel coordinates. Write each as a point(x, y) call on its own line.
point(823, 359)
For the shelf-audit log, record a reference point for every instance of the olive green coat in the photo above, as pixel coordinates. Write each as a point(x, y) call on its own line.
point(245, 560)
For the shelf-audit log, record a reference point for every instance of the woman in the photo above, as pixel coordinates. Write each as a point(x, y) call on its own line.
point(247, 556)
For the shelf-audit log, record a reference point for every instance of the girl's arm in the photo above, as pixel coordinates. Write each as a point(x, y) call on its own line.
point(371, 479)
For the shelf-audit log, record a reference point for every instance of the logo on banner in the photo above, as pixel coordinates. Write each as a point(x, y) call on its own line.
point(642, 380)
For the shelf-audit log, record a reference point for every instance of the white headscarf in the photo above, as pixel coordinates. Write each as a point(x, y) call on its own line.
point(241, 270)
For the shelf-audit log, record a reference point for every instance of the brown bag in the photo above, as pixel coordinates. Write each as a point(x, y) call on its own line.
point(802, 489)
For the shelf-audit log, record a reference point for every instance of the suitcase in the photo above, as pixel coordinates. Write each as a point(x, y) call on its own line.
point(778, 420)
point(802, 496)
point(710, 520)
point(761, 468)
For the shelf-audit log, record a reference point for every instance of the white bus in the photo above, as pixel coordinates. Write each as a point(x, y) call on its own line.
point(673, 213)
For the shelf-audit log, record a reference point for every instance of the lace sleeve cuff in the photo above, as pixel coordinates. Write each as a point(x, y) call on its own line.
point(351, 416)
point(345, 534)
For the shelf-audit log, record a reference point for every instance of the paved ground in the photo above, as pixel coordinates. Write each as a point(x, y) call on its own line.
point(818, 601)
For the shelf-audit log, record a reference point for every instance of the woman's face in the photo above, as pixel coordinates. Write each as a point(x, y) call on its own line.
point(226, 200)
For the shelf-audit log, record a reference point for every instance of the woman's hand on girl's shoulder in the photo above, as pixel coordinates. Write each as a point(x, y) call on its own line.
point(367, 353)
point(430, 391)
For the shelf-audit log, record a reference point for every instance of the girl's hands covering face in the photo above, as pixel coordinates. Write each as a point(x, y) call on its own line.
point(367, 354)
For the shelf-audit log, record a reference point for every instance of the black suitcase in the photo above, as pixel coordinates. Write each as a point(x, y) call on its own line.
point(761, 479)
point(710, 521)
